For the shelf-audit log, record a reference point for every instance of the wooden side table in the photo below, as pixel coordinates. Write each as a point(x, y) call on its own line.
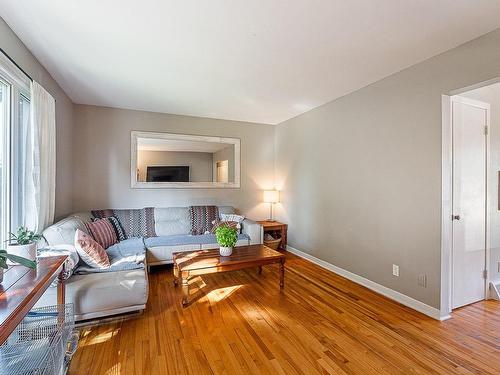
point(275, 228)
point(22, 287)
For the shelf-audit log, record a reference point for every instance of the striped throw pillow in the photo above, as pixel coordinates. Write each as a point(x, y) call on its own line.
point(90, 251)
point(103, 232)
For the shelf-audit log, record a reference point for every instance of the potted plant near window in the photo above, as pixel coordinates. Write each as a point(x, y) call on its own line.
point(23, 243)
point(13, 258)
point(226, 238)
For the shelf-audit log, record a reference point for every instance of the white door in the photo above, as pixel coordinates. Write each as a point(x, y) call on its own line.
point(223, 171)
point(469, 119)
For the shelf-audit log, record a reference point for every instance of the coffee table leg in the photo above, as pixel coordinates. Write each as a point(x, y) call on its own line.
point(176, 274)
point(185, 288)
point(282, 273)
point(260, 270)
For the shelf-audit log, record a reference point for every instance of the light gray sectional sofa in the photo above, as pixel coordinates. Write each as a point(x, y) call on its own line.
point(119, 290)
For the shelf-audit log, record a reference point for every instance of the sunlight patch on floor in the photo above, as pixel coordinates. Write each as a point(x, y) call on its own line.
point(219, 294)
point(102, 337)
point(114, 370)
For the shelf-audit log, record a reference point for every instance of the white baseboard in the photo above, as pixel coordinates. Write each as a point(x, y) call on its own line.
point(387, 292)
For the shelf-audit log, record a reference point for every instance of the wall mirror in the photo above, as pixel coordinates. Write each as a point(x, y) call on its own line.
point(167, 160)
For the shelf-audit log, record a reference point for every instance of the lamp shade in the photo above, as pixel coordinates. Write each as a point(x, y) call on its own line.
point(271, 196)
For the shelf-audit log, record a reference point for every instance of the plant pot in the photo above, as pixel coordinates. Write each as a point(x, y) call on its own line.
point(225, 251)
point(26, 251)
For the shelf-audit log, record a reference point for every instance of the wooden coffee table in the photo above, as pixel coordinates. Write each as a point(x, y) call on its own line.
point(201, 262)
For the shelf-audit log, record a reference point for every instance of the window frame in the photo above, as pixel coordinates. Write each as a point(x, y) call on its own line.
point(18, 84)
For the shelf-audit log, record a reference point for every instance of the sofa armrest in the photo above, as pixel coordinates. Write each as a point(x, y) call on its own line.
point(253, 230)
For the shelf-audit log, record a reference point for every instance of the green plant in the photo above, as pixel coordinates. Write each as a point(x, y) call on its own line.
point(23, 236)
point(226, 236)
point(14, 258)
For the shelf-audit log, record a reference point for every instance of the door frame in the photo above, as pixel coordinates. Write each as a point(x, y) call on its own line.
point(447, 203)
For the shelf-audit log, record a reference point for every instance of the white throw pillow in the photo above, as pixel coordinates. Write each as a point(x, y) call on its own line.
point(232, 217)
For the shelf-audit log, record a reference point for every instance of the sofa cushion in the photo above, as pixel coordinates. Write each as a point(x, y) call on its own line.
point(185, 239)
point(226, 210)
point(181, 239)
point(163, 254)
point(127, 247)
point(125, 255)
point(160, 249)
point(243, 240)
point(101, 294)
point(63, 232)
point(171, 221)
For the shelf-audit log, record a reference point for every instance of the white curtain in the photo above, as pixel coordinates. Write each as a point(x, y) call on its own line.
point(41, 160)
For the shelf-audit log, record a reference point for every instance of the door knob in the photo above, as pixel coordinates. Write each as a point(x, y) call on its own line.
point(456, 217)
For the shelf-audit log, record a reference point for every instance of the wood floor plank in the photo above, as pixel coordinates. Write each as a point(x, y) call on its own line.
point(240, 323)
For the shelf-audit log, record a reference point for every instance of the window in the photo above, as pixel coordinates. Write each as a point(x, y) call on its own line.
point(14, 125)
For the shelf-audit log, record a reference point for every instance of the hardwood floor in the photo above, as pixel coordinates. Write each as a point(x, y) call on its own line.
point(321, 323)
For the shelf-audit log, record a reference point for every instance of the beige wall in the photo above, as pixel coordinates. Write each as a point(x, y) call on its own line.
point(11, 44)
point(200, 163)
point(491, 94)
point(102, 160)
point(361, 176)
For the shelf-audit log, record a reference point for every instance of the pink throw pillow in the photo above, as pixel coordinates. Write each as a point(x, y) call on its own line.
point(90, 251)
point(103, 232)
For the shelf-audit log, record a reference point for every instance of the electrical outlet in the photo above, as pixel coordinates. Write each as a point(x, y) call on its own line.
point(395, 270)
point(422, 280)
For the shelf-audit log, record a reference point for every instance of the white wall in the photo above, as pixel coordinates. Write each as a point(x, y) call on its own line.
point(361, 176)
point(13, 46)
point(491, 94)
point(101, 153)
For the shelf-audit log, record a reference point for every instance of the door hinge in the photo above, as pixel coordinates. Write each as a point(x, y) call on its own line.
point(485, 274)
point(485, 130)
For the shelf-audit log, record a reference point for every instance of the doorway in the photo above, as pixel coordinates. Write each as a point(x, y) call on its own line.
point(222, 171)
point(469, 206)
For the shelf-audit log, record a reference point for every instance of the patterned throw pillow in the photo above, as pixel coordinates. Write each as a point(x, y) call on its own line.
point(230, 224)
point(120, 233)
point(232, 217)
point(202, 217)
point(132, 222)
point(90, 251)
point(103, 232)
point(137, 222)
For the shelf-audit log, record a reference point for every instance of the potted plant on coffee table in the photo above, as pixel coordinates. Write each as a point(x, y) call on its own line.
point(13, 258)
point(23, 243)
point(226, 238)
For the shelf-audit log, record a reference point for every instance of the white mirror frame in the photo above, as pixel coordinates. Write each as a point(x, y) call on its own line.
point(183, 185)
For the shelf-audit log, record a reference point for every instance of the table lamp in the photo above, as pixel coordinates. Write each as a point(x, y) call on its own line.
point(271, 197)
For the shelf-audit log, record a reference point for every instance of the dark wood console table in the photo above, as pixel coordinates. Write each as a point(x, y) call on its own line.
point(275, 227)
point(22, 287)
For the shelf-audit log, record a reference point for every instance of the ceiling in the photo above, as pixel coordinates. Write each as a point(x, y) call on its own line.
point(156, 144)
point(251, 60)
